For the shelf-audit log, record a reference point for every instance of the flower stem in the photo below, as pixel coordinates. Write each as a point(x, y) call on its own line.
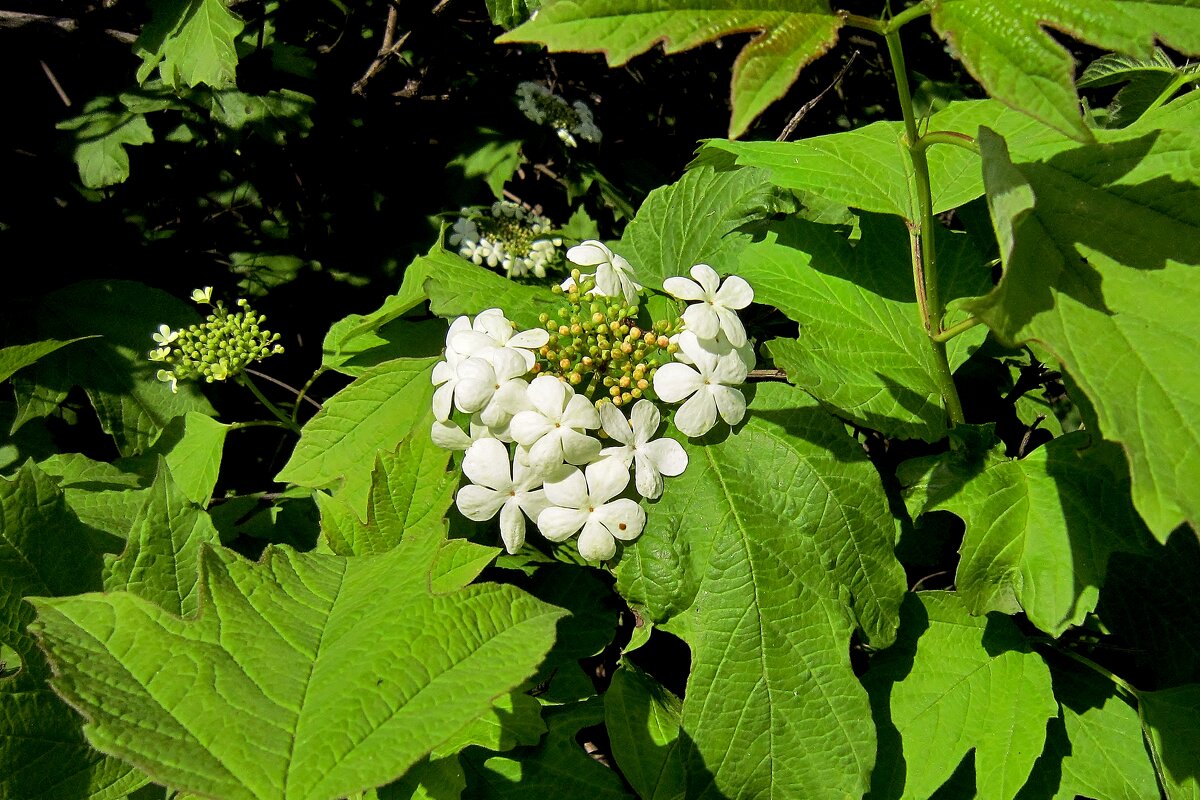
point(244, 380)
point(302, 394)
point(923, 253)
point(259, 423)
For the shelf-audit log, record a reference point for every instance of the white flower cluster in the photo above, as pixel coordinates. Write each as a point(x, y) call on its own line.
point(544, 107)
point(507, 237)
point(534, 444)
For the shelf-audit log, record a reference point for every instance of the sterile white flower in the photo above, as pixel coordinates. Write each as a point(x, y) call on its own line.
point(614, 275)
point(160, 353)
point(707, 385)
point(651, 459)
point(165, 335)
point(478, 380)
point(202, 296)
point(492, 331)
point(169, 377)
point(716, 309)
point(497, 485)
point(554, 430)
point(719, 345)
point(449, 436)
point(584, 500)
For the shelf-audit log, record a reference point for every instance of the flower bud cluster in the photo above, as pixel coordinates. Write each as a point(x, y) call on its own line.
point(507, 237)
point(544, 107)
point(541, 404)
point(220, 347)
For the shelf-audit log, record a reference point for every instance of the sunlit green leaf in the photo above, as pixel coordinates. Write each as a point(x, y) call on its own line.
point(100, 135)
point(190, 42)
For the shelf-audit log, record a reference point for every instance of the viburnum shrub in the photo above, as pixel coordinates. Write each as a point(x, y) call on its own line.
point(865, 464)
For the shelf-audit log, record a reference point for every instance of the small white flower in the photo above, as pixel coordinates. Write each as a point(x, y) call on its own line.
point(160, 353)
point(169, 377)
point(492, 331)
point(720, 345)
point(584, 500)
point(651, 459)
point(478, 380)
point(707, 385)
point(614, 276)
point(498, 486)
point(202, 296)
point(219, 371)
point(165, 335)
point(554, 429)
point(566, 137)
point(716, 309)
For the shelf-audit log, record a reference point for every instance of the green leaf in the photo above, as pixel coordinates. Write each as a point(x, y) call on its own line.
point(862, 350)
point(1149, 83)
point(643, 720)
point(375, 412)
point(45, 551)
point(459, 562)
point(100, 135)
point(496, 158)
point(456, 286)
point(272, 115)
point(558, 767)
point(1117, 68)
point(192, 446)
point(792, 33)
point(510, 13)
point(1039, 529)
point(1017, 61)
point(160, 562)
point(1094, 748)
point(132, 404)
point(248, 699)
point(693, 221)
point(869, 169)
point(103, 496)
point(1171, 721)
point(791, 469)
point(515, 720)
point(19, 356)
point(953, 683)
point(190, 42)
point(1099, 245)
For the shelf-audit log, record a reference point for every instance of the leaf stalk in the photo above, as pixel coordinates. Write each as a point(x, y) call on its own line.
point(244, 380)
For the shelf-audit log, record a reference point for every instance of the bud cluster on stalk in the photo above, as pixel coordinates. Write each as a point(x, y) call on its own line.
point(507, 237)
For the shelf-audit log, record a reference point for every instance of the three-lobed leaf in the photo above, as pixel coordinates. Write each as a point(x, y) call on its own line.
point(100, 136)
point(190, 42)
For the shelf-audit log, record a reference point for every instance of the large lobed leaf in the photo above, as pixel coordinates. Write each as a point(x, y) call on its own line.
point(793, 33)
point(1039, 530)
point(190, 42)
point(1007, 49)
point(302, 676)
point(1100, 245)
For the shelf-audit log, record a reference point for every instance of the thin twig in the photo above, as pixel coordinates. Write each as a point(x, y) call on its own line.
point(280, 383)
point(19, 19)
point(766, 375)
point(62, 95)
point(804, 109)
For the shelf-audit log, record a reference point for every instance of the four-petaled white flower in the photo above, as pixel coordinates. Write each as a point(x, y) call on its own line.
point(716, 309)
point(498, 486)
point(584, 500)
point(202, 296)
point(169, 377)
point(160, 353)
point(651, 459)
point(492, 331)
point(478, 380)
point(614, 276)
point(708, 387)
point(165, 335)
point(554, 429)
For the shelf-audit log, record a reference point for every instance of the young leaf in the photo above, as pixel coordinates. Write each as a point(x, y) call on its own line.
point(862, 350)
point(45, 551)
point(1100, 245)
point(793, 33)
point(375, 412)
point(643, 721)
point(19, 356)
point(1039, 529)
point(1095, 747)
point(100, 135)
point(953, 683)
point(693, 221)
point(190, 42)
point(249, 699)
point(1018, 62)
point(160, 562)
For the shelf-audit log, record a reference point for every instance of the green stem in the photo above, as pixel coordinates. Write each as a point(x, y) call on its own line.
point(1122, 685)
point(947, 137)
point(923, 252)
point(909, 14)
point(954, 330)
point(244, 380)
point(259, 423)
point(304, 391)
point(1173, 87)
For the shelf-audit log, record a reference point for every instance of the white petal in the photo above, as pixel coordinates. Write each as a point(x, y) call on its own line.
point(442, 372)
point(478, 503)
point(441, 401)
point(596, 543)
point(731, 326)
point(624, 518)
point(673, 382)
point(486, 464)
point(589, 254)
point(614, 423)
point(648, 482)
point(528, 427)
point(449, 436)
point(533, 503)
point(702, 320)
point(730, 402)
point(578, 448)
point(473, 343)
point(549, 395)
point(683, 288)
point(708, 278)
point(697, 416)
point(645, 420)
point(547, 452)
point(667, 456)
point(460, 324)
point(729, 369)
point(494, 414)
point(580, 413)
point(700, 352)
point(513, 396)
point(493, 322)
point(624, 454)
point(557, 524)
point(512, 525)
point(606, 479)
point(533, 338)
point(607, 281)
point(508, 363)
point(568, 491)
point(734, 293)
point(472, 395)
